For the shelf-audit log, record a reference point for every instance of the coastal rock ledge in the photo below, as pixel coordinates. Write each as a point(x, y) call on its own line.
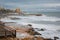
point(21, 33)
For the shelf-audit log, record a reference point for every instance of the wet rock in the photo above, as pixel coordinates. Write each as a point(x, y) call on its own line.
point(36, 33)
point(42, 29)
point(2, 23)
point(55, 38)
point(47, 39)
point(15, 18)
point(33, 32)
point(28, 39)
point(41, 38)
point(38, 38)
point(38, 14)
point(29, 25)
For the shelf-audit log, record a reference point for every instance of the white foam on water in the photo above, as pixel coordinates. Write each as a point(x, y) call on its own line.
point(49, 34)
point(24, 20)
point(39, 18)
point(45, 18)
point(46, 26)
point(50, 31)
point(6, 19)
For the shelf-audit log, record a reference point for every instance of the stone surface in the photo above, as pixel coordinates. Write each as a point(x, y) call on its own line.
point(25, 33)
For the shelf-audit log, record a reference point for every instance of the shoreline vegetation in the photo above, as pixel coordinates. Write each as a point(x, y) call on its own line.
point(18, 33)
point(5, 12)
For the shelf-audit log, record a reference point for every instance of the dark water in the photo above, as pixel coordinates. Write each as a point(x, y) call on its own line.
point(56, 14)
point(49, 14)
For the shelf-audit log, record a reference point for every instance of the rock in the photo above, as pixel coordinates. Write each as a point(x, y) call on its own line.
point(36, 33)
point(55, 38)
point(28, 39)
point(29, 25)
point(41, 38)
point(47, 39)
point(38, 14)
point(2, 23)
point(15, 18)
point(33, 32)
point(42, 29)
point(38, 38)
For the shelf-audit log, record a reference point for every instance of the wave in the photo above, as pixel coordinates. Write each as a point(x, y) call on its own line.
point(6, 20)
point(25, 20)
point(45, 26)
point(44, 18)
point(38, 18)
point(29, 19)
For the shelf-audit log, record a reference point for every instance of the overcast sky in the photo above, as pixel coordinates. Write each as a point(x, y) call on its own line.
point(32, 5)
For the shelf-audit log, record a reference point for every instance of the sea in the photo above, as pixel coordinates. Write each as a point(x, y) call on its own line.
point(49, 21)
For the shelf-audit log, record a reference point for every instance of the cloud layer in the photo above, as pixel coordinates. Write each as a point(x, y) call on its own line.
point(32, 5)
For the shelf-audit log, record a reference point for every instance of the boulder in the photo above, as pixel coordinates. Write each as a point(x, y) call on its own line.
point(38, 14)
point(55, 38)
point(2, 23)
point(31, 31)
point(47, 39)
point(42, 29)
point(38, 38)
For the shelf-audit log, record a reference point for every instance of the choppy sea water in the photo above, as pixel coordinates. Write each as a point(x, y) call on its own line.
point(49, 21)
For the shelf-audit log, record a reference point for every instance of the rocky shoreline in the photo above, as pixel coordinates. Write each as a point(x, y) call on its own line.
point(20, 32)
point(25, 33)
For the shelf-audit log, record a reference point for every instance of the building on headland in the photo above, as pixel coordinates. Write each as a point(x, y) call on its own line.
point(18, 10)
point(5, 11)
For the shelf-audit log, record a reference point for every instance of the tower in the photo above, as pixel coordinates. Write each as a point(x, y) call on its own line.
point(18, 10)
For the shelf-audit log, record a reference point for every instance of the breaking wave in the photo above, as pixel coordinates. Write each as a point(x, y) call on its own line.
point(29, 19)
point(38, 18)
